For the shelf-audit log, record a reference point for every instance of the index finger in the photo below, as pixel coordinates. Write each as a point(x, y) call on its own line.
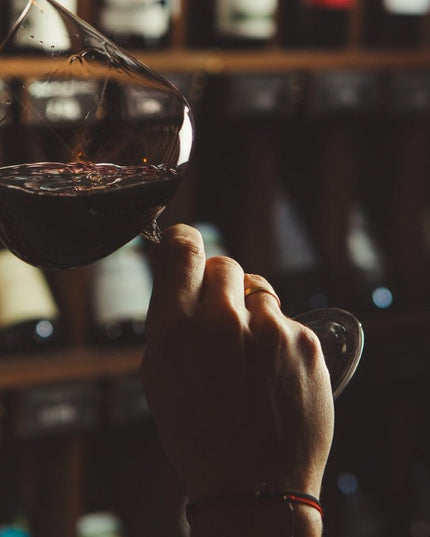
point(178, 264)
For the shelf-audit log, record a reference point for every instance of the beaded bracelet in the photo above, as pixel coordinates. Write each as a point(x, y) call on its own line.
point(261, 495)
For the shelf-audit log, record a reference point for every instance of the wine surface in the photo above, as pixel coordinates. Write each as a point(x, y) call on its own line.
point(59, 216)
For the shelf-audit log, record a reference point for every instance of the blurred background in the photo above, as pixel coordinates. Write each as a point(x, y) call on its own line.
point(311, 167)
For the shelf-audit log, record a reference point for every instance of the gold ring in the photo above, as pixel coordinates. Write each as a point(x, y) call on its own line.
point(252, 290)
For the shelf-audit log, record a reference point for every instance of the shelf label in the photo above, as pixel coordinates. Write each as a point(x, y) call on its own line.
point(265, 95)
point(346, 91)
point(58, 408)
point(409, 92)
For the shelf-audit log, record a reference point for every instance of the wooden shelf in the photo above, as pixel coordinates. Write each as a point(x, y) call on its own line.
point(216, 61)
point(79, 363)
point(86, 363)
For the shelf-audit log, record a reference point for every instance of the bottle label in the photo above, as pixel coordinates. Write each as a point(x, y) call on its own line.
point(329, 4)
point(146, 18)
point(253, 19)
point(152, 20)
point(44, 29)
point(407, 7)
point(345, 91)
point(255, 95)
point(122, 287)
point(24, 292)
point(57, 408)
point(61, 101)
point(410, 93)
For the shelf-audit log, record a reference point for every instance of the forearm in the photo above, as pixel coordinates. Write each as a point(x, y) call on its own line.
point(268, 520)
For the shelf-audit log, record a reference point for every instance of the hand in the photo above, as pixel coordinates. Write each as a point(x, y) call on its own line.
point(240, 393)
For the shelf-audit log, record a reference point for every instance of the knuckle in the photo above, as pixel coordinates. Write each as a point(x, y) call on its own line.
point(257, 279)
point(222, 262)
point(179, 231)
point(308, 343)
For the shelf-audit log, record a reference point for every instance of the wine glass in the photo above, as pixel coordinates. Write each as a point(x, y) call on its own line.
point(342, 341)
point(93, 146)
point(101, 143)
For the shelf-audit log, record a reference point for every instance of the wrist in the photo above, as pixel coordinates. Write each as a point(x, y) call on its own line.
point(271, 519)
point(217, 485)
point(266, 512)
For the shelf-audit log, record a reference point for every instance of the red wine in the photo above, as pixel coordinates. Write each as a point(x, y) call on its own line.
point(59, 216)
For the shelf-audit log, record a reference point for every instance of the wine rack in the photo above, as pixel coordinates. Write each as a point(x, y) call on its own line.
point(56, 477)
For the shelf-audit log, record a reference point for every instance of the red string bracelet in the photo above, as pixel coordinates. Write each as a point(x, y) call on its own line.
point(261, 495)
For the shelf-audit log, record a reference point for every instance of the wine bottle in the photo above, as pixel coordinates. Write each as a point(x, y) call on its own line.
point(316, 23)
point(395, 23)
point(29, 317)
point(370, 289)
point(136, 23)
point(263, 116)
point(341, 101)
point(397, 177)
point(121, 290)
point(301, 276)
point(45, 37)
point(251, 109)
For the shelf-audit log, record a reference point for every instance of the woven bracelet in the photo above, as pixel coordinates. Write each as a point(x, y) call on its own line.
point(261, 495)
